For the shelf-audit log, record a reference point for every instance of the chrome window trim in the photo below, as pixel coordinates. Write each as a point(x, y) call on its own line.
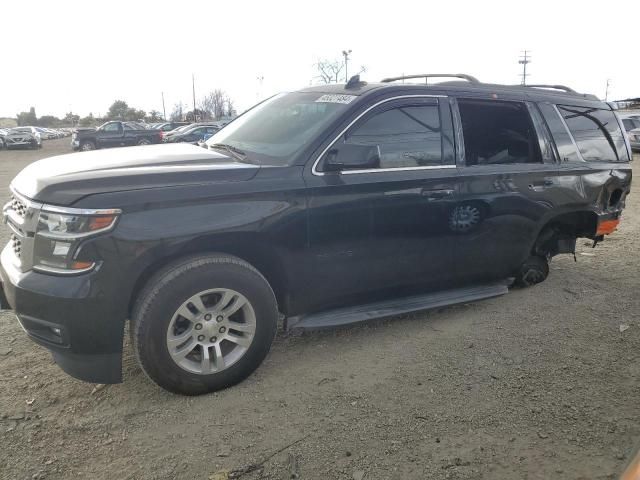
point(566, 127)
point(399, 169)
point(317, 173)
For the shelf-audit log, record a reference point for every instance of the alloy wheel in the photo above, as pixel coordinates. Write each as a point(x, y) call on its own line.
point(211, 331)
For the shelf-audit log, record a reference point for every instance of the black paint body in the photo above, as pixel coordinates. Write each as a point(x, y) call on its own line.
point(322, 240)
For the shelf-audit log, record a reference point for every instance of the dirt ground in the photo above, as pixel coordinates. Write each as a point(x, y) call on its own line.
point(538, 384)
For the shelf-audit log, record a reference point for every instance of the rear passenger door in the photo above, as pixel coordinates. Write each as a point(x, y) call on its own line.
point(508, 186)
point(379, 230)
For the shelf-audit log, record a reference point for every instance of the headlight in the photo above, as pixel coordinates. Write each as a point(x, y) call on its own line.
point(59, 235)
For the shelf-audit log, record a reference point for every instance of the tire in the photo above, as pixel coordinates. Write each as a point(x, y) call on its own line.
point(534, 270)
point(87, 146)
point(144, 141)
point(157, 318)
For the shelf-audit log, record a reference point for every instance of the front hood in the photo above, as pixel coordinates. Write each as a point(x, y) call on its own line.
point(65, 179)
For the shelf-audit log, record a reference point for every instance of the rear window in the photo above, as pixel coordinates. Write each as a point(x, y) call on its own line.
point(596, 133)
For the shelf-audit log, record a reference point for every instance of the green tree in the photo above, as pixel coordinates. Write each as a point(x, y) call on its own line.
point(71, 118)
point(88, 121)
point(27, 118)
point(154, 116)
point(49, 121)
point(118, 110)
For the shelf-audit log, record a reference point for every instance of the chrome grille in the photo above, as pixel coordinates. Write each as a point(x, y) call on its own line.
point(16, 245)
point(18, 206)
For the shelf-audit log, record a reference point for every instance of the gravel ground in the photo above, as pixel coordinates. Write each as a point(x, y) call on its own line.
point(538, 384)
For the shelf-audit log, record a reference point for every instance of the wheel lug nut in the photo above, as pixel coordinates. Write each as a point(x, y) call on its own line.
point(213, 339)
point(200, 338)
point(219, 318)
point(198, 326)
point(222, 330)
point(207, 316)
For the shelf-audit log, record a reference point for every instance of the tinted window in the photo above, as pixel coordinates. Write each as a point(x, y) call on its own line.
point(405, 136)
point(498, 133)
point(596, 132)
point(630, 124)
point(566, 148)
point(112, 127)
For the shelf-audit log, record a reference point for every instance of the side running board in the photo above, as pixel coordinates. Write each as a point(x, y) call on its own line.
point(396, 306)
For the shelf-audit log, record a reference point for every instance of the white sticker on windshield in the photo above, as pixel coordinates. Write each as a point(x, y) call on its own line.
point(334, 98)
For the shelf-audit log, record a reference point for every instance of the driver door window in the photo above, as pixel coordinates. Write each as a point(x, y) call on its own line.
point(406, 136)
point(112, 128)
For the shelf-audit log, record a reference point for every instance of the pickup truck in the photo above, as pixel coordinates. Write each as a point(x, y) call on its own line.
point(317, 208)
point(113, 134)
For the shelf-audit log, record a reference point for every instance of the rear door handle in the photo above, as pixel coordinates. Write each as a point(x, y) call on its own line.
point(541, 185)
point(441, 193)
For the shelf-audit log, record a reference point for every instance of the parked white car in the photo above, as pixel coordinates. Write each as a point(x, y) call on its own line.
point(28, 137)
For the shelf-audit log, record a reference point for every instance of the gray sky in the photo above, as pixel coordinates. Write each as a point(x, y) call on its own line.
point(84, 55)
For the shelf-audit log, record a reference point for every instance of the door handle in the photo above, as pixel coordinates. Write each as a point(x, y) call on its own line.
point(440, 193)
point(547, 182)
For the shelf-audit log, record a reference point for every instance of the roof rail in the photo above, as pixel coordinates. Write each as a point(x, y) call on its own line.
point(554, 87)
point(426, 76)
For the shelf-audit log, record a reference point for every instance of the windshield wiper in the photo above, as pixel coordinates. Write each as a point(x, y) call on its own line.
point(235, 152)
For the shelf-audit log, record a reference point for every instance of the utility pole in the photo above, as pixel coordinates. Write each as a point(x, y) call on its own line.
point(606, 92)
point(193, 85)
point(164, 111)
point(346, 54)
point(525, 59)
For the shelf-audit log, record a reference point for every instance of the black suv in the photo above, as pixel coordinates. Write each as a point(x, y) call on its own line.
point(323, 207)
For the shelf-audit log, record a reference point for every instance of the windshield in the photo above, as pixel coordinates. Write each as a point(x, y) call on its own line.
point(274, 131)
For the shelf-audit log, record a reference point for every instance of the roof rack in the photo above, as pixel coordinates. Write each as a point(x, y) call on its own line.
point(426, 76)
point(553, 87)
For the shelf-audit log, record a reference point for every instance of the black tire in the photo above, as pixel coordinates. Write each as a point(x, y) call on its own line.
point(87, 146)
point(534, 270)
point(144, 141)
point(173, 285)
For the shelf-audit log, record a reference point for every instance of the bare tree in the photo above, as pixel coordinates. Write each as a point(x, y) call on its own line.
point(176, 114)
point(329, 70)
point(217, 104)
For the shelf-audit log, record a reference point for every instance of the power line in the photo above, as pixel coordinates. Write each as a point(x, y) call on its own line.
point(525, 59)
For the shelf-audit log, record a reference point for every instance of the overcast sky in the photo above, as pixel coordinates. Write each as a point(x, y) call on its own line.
point(81, 56)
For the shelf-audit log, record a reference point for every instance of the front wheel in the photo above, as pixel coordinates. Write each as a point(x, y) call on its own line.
point(204, 324)
point(144, 141)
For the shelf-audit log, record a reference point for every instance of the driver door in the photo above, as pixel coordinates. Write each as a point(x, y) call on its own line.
point(111, 135)
point(383, 230)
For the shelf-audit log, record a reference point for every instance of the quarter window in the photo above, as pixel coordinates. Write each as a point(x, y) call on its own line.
point(406, 136)
point(596, 133)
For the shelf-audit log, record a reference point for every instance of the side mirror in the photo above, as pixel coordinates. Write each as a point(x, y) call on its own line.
point(352, 157)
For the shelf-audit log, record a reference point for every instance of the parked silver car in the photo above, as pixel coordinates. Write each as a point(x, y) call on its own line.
point(23, 137)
